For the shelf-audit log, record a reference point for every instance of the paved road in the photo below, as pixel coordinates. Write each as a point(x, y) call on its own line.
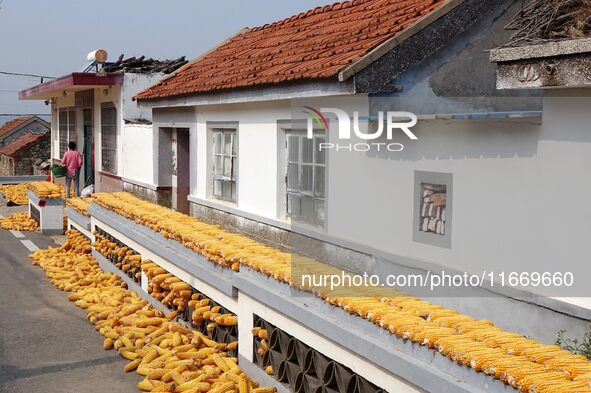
point(46, 343)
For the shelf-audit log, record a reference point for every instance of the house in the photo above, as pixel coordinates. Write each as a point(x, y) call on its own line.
point(19, 157)
point(94, 108)
point(482, 189)
point(14, 129)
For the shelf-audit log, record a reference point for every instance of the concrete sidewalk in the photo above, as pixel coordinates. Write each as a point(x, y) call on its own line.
point(46, 343)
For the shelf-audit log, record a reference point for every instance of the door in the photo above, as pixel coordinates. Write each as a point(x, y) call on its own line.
point(88, 148)
point(180, 169)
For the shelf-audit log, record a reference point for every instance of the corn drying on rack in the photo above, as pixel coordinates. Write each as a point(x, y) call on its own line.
point(15, 193)
point(19, 222)
point(44, 189)
point(525, 364)
point(171, 357)
point(80, 204)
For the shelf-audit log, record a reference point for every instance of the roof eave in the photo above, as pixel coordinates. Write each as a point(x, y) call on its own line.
point(259, 93)
point(78, 80)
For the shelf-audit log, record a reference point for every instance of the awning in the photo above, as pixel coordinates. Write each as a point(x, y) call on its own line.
point(76, 81)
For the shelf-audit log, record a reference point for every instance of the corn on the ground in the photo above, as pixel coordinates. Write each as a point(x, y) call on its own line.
point(19, 222)
point(15, 193)
point(171, 357)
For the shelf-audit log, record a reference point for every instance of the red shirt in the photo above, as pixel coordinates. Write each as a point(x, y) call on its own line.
point(72, 160)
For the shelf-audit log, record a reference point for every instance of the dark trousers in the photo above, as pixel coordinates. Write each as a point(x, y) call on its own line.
point(76, 178)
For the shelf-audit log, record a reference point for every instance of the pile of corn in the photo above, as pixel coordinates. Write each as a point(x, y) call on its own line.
point(262, 334)
point(522, 363)
point(45, 189)
point(80, 204)
point(15, 193)
point(123, 257)
point(77, 243)
point(175, 293)
point(19, 222)
point(171, 357)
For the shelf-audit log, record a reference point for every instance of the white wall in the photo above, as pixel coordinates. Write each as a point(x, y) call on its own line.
point(515, 184)
point(257, 152)
point(132, 85)
point(515, 191)
point(137, 144)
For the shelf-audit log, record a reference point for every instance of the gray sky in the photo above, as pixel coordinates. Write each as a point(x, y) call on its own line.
point(53, 37)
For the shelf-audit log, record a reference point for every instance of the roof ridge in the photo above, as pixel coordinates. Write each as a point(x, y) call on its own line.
point(321, 9)
point(14, 123)
point(23, 141)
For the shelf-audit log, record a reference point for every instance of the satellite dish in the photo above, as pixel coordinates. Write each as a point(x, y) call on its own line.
point(99, 56)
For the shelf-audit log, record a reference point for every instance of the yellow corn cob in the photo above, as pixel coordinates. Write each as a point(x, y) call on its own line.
point(129, 355)
point(264, 390)
point(223, 388)
point(145, 385)
point(132, 365)
point(157, 373)
point(243, 385)
point(108, 343)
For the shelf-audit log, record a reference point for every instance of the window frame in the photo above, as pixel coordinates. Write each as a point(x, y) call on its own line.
point(223, 155)
point(300, 190)
point(438, 178)
point(70, 128)
point(112, 150)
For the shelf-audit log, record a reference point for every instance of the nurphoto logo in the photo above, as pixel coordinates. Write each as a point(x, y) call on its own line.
point(392, 120)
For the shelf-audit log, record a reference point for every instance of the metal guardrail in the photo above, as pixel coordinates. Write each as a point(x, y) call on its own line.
point(21, 179)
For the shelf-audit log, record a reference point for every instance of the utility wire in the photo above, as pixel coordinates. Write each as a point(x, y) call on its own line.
point(31, 75)
point(23, 114)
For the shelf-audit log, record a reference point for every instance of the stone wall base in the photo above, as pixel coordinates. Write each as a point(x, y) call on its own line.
point(160, 196)
point(287, 239)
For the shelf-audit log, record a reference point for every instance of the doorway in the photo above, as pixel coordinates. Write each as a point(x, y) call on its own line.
point(181, 176)
point(88, 148)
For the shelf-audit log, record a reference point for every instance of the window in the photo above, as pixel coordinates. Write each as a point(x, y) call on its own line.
point(306, 172)
point(66, 128)
point(109, 138)
point(433, 203)
point(225, 147)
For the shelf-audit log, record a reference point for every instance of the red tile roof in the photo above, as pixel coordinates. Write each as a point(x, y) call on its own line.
point(314, 44)
point(23, 142)
point(11, 125)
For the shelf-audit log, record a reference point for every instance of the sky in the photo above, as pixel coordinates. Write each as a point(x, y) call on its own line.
point(52, 38)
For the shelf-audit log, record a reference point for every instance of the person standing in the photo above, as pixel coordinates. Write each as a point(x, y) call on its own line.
point(73, 161)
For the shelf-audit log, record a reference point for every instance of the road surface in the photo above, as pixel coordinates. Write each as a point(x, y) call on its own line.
point(46, 343)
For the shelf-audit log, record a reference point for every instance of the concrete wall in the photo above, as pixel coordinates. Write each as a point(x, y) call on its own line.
point(514, 181)
point(504, 173)
point(132, 85)
point(260, 178)
point(137, 152)
point(25, 160)
point(6, 166)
